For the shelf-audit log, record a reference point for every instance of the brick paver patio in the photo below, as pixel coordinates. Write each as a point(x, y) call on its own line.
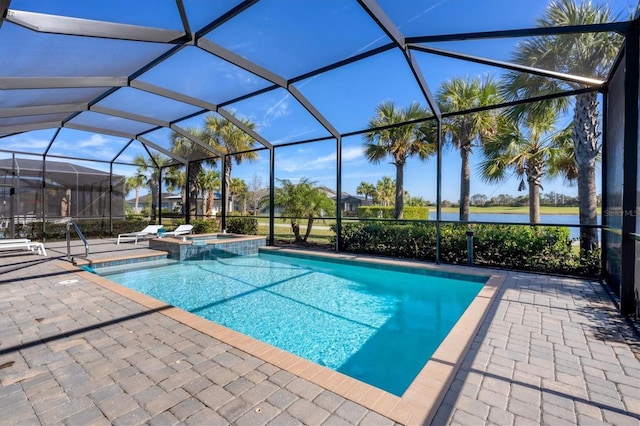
point(550, 351)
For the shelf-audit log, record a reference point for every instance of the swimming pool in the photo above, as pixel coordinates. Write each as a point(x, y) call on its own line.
point(378, 325)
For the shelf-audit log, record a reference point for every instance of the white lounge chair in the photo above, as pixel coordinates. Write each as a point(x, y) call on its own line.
point(150, 230)
point(180, 230)
point(22, 243)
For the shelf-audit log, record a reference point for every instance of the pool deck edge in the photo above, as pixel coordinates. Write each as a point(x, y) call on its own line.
point(417, 406)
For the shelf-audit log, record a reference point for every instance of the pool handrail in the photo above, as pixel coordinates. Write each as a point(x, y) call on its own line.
point(71, 223)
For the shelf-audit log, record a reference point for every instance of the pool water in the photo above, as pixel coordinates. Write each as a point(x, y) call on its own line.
point(377, 325)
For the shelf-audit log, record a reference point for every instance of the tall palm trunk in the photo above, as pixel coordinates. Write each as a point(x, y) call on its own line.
point(585, 140)
point(534, 202)
point(227, 183)
point(465, 181)
point(535, 170)
point(137, 209)
point(154, 199)
point(183, 199)
point(310, 222)
point(194, 170)
point(211, 202)
point(295, 227)
point(399, 210)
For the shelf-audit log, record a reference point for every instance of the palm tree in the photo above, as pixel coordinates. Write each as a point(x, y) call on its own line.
point(151, 178)
point(176, 180)
point(208, 183)
point(227, 138)
point(528, 147)
point(587, 55)
point(385, 191)
point(190, 150)
point(399, 143)
point(367, 189)
point(302, 200)
point(238, 188)
point(466, 131)
point(134, 183)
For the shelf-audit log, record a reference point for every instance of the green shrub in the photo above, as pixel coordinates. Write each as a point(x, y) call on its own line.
point(376, 212)
point(205, 226)
point(404, 240)
point(175, 222)
point(540, 249)
point(242, 225)
point(135, 216)
point(119, 227)
point(389, 212)
point(415, 213)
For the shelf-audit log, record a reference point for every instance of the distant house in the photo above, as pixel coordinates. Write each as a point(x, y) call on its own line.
point(348, 203)
point(170, 202)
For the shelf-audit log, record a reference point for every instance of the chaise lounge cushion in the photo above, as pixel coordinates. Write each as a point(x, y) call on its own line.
point(149, 231)
point(180, 230)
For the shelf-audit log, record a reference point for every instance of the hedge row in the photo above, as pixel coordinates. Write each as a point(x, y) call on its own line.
point(541, 249)
point(389, 212)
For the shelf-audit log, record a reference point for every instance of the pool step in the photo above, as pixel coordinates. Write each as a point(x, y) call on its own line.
point(105, 266)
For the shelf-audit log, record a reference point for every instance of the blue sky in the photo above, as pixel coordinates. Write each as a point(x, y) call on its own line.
point(311, 34)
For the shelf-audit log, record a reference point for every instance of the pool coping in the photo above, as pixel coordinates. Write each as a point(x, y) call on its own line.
point(418, 404)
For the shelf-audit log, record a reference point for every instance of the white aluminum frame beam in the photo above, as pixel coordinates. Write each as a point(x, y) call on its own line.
point(170, 94)
point(55, 24)
point(380, 17)
point(93, 129)
point(239, 124)
point(128, 115)
point(12, 83)
point(195, 140)
point(593, 82)
point(256, 69)
point(20, 128)
point(42, 110)
point(158, 148)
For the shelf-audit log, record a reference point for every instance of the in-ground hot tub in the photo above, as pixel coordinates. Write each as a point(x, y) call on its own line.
point(208, 246)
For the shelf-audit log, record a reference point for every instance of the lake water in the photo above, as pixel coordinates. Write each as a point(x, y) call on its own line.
point(561, 219)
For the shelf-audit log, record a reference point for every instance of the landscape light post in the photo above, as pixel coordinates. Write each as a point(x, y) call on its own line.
point(470, 247)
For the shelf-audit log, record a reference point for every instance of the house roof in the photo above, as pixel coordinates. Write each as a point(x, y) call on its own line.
point(57, 172)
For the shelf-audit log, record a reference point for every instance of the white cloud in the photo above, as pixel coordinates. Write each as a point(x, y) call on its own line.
point(288, 164)
point(294, 134)
point(323, 162)
point(92, 146)
point(94, 140)
point(277, 110)
point(18, 143)
point(352, 153)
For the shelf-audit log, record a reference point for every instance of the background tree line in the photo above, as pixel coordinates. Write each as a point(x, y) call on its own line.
point(525, 138)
